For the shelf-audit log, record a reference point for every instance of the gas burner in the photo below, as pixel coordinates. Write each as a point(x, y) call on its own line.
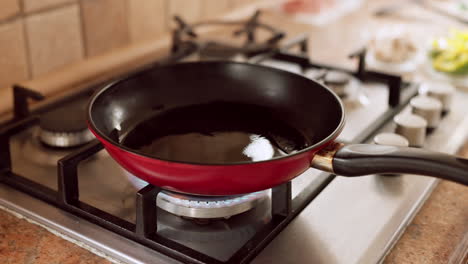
point(339, 82)
point(345, 85)
point(201, 208)
point(187, 33)
point(42, 154)
point(65, 139)
point(65, 126)
point(217, 51)
point(208, 207)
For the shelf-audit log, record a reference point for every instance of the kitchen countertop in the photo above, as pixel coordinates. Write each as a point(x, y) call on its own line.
point(438, 233)
point(24, 242)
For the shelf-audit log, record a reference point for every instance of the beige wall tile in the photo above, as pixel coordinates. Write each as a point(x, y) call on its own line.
point(105, 25)
point(214, 8)
point(8, 8)
point(146, 18)
point(54, 39)
point(35, 5)
point(189, 10)
point(13, 62)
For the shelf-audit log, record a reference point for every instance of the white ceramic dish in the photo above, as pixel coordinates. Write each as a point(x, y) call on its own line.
point(407, 66)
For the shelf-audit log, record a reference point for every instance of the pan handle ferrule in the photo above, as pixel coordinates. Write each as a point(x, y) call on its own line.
point(323, 159)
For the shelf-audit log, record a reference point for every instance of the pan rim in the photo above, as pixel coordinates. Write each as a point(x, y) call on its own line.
point(316, 146)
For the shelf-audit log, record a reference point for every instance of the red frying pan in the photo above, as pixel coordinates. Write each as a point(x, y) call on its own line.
point(224, 128)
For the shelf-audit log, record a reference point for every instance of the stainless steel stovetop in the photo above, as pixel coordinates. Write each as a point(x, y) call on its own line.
point(349, 220)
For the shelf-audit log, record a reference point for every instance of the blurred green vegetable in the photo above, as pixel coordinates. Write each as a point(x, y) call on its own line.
point(450, 54)
point(463, 6)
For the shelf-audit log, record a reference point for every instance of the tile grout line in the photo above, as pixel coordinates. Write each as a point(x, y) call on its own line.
point(27, 45)
point(84, 39)
point(10, 18)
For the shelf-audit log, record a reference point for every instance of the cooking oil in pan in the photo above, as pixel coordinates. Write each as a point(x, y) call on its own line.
point(216, 133)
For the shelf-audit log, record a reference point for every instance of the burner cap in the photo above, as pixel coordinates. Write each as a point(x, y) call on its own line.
point(337, 77)
point(65, 126)
point(338, 81)
point(208, 207)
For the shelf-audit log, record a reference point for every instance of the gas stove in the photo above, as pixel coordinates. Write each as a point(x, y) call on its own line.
point(53, 172)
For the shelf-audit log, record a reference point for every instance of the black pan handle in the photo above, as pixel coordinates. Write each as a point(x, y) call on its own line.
point(363, 159)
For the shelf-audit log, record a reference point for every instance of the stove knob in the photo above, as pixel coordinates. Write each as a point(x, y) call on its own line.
point(391, 139)
point(429, 108)
point(412, 127)
point(441, 91)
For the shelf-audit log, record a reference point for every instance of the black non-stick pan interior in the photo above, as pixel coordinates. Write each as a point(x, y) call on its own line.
point(298, 101)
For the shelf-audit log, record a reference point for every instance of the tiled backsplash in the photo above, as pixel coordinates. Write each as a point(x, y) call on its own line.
point(40, 36)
